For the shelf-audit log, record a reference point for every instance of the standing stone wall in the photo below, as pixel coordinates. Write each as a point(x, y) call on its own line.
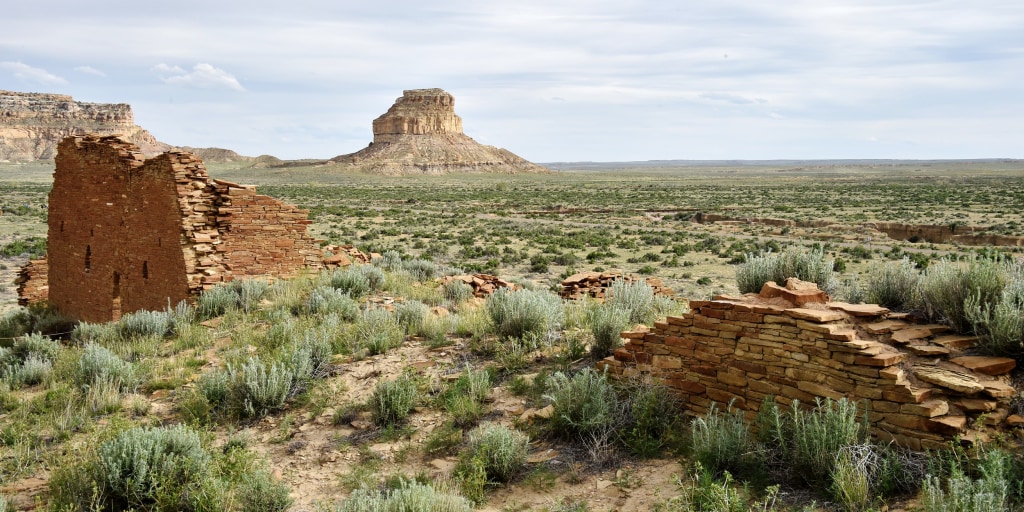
point(126, 233)
point(793, 344)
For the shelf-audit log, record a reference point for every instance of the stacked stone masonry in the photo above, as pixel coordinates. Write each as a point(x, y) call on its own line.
point(793, 344)
point(126, 233)
point(596, 284)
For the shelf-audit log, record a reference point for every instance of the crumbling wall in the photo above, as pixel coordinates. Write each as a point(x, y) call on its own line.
point(32, 283)
point(791, 343)
point(126, 233)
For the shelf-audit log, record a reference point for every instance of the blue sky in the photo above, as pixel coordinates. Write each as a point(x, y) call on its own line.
point(550, 80)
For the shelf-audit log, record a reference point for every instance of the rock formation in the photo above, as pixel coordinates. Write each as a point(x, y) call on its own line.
point(32, 124)
point(421, 134)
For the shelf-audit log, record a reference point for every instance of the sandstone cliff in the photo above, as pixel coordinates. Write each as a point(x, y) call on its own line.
point(421, 134)
point(32, 124)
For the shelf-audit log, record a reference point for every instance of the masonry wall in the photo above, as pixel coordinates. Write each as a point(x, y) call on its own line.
point(920, 388)
point(127, 233)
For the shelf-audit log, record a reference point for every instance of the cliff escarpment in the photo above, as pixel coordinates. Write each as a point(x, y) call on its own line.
point(32, 124)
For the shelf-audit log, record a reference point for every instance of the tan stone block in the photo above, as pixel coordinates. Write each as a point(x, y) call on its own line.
point(731, 379)
point(928, 408)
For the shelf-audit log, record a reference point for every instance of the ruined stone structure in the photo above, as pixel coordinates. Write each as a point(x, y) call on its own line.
point(32, 124)
point(126, 233)
point(421, 134)
point(596, 284)
point(791, 343)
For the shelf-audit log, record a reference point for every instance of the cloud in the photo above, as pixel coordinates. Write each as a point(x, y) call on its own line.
point(28, 73)
point(203, 75)
point(89, 70)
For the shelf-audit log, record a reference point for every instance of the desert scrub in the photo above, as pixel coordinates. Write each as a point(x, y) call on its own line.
point(326, 300)
point(501, 450)
point(463, 398)
point(946, 287)
point(606, 324)
point(409, 496)
point(241, 294)
point(961, 493)
point(651, 421)
point(392, 400)
point(251, 389)
point(584, 404)
point(141, 324)
point(636, 298)
point(1000, 325)
point(805, 264)
point(356, 280)
point(411, 315)
point(29, 361)
point(893, 284)
point(516, 313)
point(456, 292)
point(721, 443)
point(100, 363)
point(376, 332)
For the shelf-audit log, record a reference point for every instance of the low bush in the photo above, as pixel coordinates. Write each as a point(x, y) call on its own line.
point(721, 442)
point(409, 496)
point(376, 332)
point(516, 313)
point(636, 298)
point(1000, 326)
point(607, 323)
point(356, 280)
point(584, 404)
point(145, 324)
point(501, 449)
point(947, 286)
point(411, 315)
point(805, 264)
point(893, 284)
point(257, 388)
point(325, 300)
point(456, 292)
point(392, 400)
point(651, 421)
point(99, 363)
point(961, 493)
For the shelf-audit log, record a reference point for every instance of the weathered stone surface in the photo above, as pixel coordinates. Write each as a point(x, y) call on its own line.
point(794, 292)
point(421, 134)
point(597, 284)
point(483, 285)
point(33, 124)
point(927, 350)
point(885, 326)
point(860, 310)
point(985, 364)
point(815, 315)
point(950, 379)
point(917, 332)
point(956, 341)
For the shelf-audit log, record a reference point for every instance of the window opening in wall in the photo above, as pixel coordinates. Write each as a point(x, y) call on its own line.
point(159, 242)
point(91, 233)
point(61, 226)
point(88, 258)
point(117, 285)
point(145, 270)
point(115, 304)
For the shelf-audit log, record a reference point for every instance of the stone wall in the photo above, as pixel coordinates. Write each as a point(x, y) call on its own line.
point(126, 233)
point(32, 283)
point(792, 343)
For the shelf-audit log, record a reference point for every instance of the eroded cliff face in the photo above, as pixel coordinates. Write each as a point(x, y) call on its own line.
point(421, 134)
point(32, 124)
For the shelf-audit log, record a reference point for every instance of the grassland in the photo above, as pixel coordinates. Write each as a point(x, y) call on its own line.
point(323, 438)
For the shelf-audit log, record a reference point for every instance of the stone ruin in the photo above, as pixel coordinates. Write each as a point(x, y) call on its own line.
point(791, 342)
point(421, 134)
point(596, 284)
point(126, 233)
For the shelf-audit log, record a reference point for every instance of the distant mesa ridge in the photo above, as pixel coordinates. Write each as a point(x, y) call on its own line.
point(32, 124)
point(421, 134)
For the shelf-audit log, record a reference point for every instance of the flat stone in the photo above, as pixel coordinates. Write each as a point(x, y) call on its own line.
point(928, 408)
point(927, 350)
point(799, 297)
point(946, 425)
point(815, 315)
point(977, 405)
point(985, 364)
point(861, 310)
point(949, 379)
point(918, 332)
point(996, 389)
point(881, 360)
point(956, 341)
point(1015, 420)
point(885, 326)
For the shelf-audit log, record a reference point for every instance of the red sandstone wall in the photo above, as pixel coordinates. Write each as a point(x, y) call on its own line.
point(920, 388)
point(32, 282)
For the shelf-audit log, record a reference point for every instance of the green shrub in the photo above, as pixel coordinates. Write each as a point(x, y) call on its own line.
point(456, 292)
point(851, 478)
point(411, 315)
point(216, 301)
point(376, 332)
point(152, 467)
point(607, 323)
point(464, 397)
point(260, 491)
point(145, 324)
point(818, 435)
point(36, 346)
point(421, 270)
point(86, 332)
point(256, 388)
point(1001, 325)
point(721, 442)
point(29, 361)
point(652, 417)
point(324, 300)
point(392, 400)
point(502, 450)
point(520, 312)
point(16, 322)
point(947, 286)
point(636, 298)
point(990, 493)
point(407, 497)
point(31, 372)
point(893, 284)
point(97, 362)
point(584, 404)
point(806, 265)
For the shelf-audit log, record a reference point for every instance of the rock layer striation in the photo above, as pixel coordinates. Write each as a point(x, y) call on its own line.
point(421, 134)
point(33, 124)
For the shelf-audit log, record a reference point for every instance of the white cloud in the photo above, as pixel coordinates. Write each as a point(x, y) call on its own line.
point(28, 73)
point(203, 75)
point(89, 70)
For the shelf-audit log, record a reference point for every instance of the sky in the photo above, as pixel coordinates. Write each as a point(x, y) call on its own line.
point(551, 80)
